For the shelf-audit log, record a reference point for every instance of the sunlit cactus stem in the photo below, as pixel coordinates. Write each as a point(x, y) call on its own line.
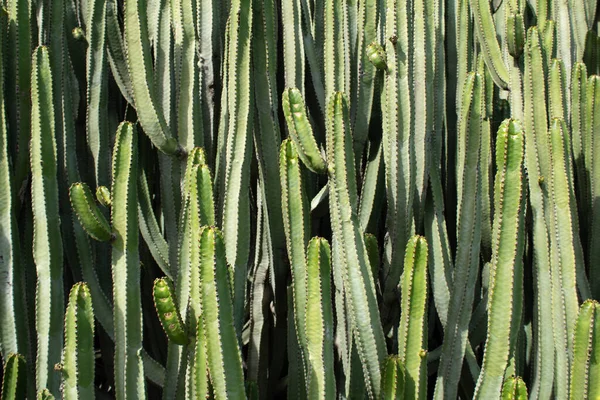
point(78, 355)
point(514, 389)
point(412, 337)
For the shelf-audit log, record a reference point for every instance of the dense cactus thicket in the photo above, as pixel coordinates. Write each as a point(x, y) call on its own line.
point(303, 199)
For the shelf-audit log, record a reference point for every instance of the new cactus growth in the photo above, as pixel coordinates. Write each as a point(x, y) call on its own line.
point(167, 311)
point(92, 220)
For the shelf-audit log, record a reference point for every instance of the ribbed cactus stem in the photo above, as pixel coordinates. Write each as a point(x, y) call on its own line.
point(506, 272)
point(514, 389)
point(412, 332)
point(393, 380)
point(319, 320)
point(585, 372)
point(349, 246)
point(47, 242)
point(129, 371)
point(167, 311)
point(78, 355)
point(14, 381)
point(224, 357)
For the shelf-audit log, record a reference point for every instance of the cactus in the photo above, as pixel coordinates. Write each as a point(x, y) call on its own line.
point(90, 217)
point(393, 383)
point(167, 311)
point(349, 247)
point(413, 322)
point(258, 125)
point(319, 320)
point(126, 266)
point(78, 361)
point(223, 354)
point(14, 381)
point(301, 131)
point(514, 389)
point(506, 272)
point(585, 352)
point(47, 243)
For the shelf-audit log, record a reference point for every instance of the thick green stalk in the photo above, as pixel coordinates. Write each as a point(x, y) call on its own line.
point(97, 90)
point(296, 222)
point(566, 226)
point(422, 71)
point(149, 227)
point(393, 381)
point(506, 273)
point(336, 48)
point(18, 83)
point(224, 358)
point(139, 62)
point(514, 389)
point(78, 355)
point(578, 131)
point(412, 332)
point(168, 313)
point(586, 366)
point(486, 33)
point(116, 52)
point(129, 371)
point(14, 381)
point(319, 321)
point(397, 154)
point(349, 247)
point(13, 319)
point(88, 213)
point(537, 164)
point(591, 145)
point(469, 234)
point(198, 384)
point(301, 131)
point(236, 201)
point(365, 71)
point(293, 44)
point(47, 243)
point(187, 74)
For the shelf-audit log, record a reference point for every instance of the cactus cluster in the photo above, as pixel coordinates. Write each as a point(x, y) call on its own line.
point(303, 199)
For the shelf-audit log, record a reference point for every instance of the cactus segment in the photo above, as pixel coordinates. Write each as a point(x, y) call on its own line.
point(506, 272)
point(224, 358)
point(514, 389)
point(393, 381)
point(167, 311)
point(591, 145)
point(90, 217)
point(129, 371)
point(515, 35)
point(319, 320)
point(78, 355)
point(486, 33)
point(47, 242)
point(412, 332)
point(469, 234)
point(14, 381)
point(301, 131)
point(141, 72)
point(349, 247)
